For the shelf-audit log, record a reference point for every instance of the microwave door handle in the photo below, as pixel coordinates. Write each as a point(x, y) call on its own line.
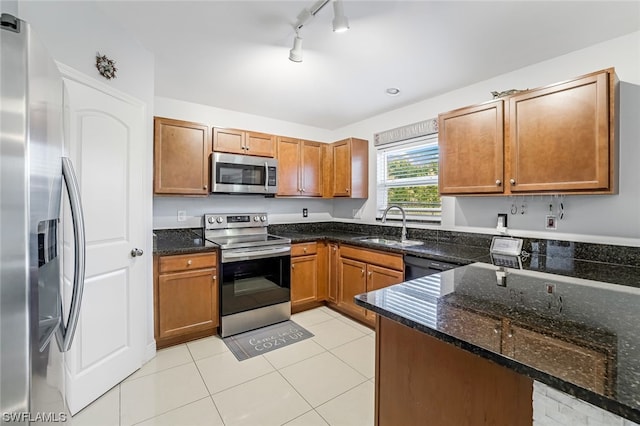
point(266, 176)
point(65, 334)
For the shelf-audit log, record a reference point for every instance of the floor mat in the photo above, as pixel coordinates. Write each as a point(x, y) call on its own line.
point(265, 339)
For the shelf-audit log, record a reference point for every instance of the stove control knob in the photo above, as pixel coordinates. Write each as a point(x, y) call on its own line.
point(263, 218)
point(219, 219)
point(211, 219)
point(256, 219)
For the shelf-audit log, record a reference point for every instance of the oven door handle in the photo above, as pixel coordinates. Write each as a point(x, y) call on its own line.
point(254, 254)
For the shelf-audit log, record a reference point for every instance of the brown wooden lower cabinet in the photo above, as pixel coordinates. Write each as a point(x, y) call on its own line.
point(306, 292)
point(421, 380)
point(186, 297)
point(363, 270)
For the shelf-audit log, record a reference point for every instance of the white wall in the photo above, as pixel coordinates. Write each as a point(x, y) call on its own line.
point(612, 219)
point(73, 32)
point(280, 210)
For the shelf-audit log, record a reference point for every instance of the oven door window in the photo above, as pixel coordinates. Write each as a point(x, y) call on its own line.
point(253, 284)
point(240, 174)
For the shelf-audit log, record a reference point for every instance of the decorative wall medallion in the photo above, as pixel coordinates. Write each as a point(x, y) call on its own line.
point(497, 95)
point(106, 66)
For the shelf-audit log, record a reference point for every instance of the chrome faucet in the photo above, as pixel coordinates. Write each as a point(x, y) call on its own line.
point(404, 220)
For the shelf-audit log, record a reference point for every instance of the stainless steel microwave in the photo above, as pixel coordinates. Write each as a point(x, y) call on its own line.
point(243, 174)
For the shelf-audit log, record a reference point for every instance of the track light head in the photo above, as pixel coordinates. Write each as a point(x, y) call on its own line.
point(295, 54)
point(340, 22)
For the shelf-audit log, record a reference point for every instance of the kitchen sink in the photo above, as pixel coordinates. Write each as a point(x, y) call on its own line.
point(389, 242)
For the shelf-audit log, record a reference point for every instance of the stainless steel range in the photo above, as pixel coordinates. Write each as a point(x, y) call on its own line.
point(255, 268)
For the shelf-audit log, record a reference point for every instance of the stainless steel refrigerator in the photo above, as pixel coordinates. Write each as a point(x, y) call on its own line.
point(37, 319)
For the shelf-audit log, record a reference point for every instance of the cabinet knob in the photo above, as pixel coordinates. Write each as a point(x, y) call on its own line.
point(213, 277)
point(369, 274)
point(293, 266)
point(510, 334)
point(204, 187)
point(247, 148)
point(512, 181)
point(334, 249)
point(498, 182)
point(347, 189)
point(189, 262)
point(496, 329)
point(362, 272)
point(304, 249)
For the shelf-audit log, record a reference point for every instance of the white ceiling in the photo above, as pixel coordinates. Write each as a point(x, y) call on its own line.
point(234, 54)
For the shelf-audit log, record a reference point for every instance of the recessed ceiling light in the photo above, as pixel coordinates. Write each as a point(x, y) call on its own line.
point(393, 91)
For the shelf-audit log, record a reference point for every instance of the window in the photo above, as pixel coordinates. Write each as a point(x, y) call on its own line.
point(408, 177)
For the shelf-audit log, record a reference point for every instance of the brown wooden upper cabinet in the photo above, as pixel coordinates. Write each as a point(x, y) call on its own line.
point(243, 142)
point(299, 167)
point(348, 163)
point(181, 157)
point(556, 139)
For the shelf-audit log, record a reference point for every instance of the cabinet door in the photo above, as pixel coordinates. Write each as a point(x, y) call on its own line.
point(260, 144)
point(571, 362)
point(334, 269)
point(311, 169)
point(229, 140)
point(377, 278)
point(288, 166)
point(559, 137)
point(187, 302)
point(352, 282)
point(304, 279)
point(471, 146)
point(341, 169)
point(181, 157)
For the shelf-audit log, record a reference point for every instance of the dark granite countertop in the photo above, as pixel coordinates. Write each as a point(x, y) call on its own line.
point(179, 241)
point(576, 335)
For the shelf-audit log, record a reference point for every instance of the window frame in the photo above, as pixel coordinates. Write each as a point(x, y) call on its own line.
point(382, 184)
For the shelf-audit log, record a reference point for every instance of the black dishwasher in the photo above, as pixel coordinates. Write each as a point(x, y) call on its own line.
point(416, 267)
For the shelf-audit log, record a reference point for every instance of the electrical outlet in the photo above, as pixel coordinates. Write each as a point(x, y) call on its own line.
point(305, 212)
point(182, 215)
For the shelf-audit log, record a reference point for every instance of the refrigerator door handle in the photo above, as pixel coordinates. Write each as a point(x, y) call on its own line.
point(73, 190)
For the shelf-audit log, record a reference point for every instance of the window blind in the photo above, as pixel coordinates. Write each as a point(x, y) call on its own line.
point(408, 177)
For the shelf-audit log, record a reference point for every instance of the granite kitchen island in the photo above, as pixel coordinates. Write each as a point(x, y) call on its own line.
point(465, 346)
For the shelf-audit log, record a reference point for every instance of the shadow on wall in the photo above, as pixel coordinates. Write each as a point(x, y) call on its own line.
point(602, 215)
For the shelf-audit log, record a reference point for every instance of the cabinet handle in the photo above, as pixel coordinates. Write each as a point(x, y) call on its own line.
point(334, 249)
point(512, 181)
point(347, 189)
point(496, 329)
point(369, 274)
point(189, 262)
point(204, 187)
point(510, 334)
point(362, 272)
point(247, 148)
point(304, 249)
point(293, 266)
point(498, 182)
point(213, 277)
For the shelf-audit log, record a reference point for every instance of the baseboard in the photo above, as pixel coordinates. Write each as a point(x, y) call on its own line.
point(149, 352)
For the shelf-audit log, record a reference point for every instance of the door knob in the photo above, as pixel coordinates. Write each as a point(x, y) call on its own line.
point(136, 252)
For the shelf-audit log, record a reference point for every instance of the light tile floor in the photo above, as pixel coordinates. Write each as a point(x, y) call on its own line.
point(325, 380)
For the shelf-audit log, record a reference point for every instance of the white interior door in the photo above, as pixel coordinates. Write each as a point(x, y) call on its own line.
point(107, 145)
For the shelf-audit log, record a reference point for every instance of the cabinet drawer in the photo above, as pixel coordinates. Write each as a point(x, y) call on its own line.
point(303, 249)
point(184, 262)
point(388, 260)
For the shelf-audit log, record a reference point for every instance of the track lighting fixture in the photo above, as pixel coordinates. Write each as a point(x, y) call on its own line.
point(295, 54)
point(340, 24)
